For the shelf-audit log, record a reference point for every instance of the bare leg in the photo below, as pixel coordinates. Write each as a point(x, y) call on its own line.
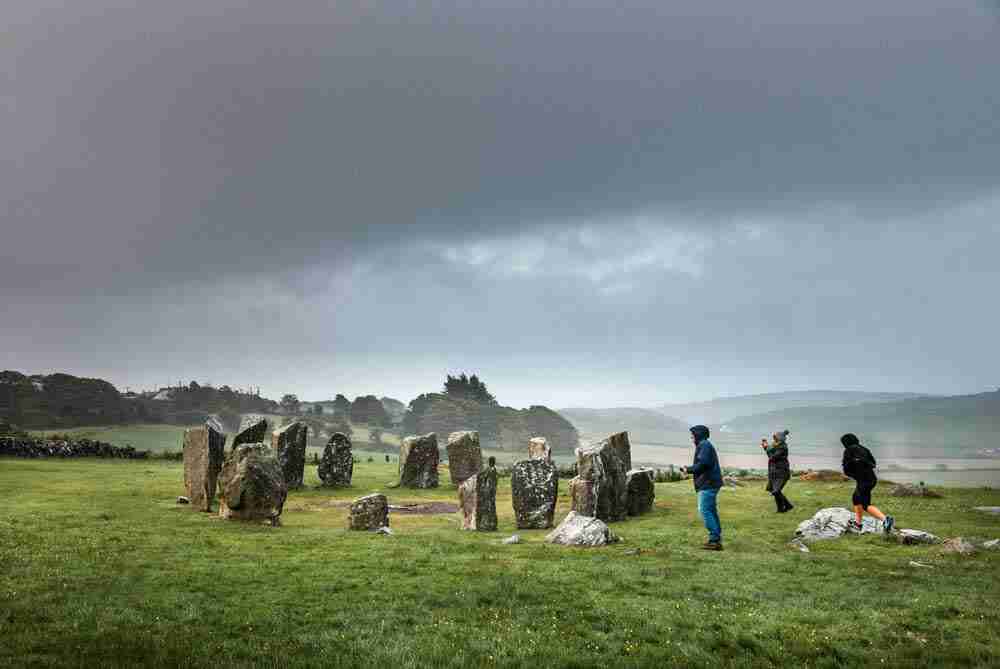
point(857, 513)
point(874, 511)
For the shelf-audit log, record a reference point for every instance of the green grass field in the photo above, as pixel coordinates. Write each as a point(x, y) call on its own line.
point(100, 567)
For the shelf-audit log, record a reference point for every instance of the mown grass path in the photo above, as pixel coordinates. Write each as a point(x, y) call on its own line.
point(99, 567)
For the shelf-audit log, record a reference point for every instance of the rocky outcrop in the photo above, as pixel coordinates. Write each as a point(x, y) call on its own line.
point(252, 485)
point(289, 445)
point(600, 489)
point(465, 457)
point(253, 430)
point(336, 468)
point(204, 453)
point(912, 490)
point(369, 513)
point(914, 537)
point(538, 449)
point(832, 523)
point(418, 462)
point(579, 530)
point(477, 497)
point(641, 491)
point(534, 485)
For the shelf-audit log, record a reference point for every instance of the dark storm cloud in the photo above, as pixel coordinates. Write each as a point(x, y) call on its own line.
point(317, 175)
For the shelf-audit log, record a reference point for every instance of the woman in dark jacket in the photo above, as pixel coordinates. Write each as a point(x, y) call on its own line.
point(778, 469)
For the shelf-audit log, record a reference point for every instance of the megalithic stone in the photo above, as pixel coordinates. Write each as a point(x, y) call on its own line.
point(538, 449)
point(600, 489)
point(252, 484)
point(289, 445)
point(253, 430)
point(204, 452)
point(369, 513)
point(418, 462)
point(477, 499)
point(641, 490)
point(337, 466)
point(534, 485)
point(465, 457)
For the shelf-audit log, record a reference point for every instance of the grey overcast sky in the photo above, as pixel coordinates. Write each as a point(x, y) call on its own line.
point(588, 203)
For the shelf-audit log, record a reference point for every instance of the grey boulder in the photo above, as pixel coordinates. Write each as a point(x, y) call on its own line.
point(579, 530)
point(252, 485)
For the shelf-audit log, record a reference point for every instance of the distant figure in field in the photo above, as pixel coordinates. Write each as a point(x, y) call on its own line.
point(707, 482)
point(778, 469)
point(859, 464)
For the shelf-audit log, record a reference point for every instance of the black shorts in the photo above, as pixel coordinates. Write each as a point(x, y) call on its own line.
point(863, 494)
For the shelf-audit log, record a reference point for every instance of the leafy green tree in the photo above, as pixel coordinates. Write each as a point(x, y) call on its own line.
point(290, 403)
point(464, 387)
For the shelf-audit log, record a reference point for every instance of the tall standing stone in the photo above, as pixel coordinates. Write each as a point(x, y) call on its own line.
point(252, 485)
point(465, 457)
point(534, 485)
point(204, 452)
point(477, 497)
point(289, 444)
point(418, 462)
point(641, 490)
point(600, 488)
point(538, 449)
point(253, 430)
point(337, 466)
point(369, 513)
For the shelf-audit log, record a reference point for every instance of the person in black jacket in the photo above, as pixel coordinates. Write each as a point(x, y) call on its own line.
point(707, 476)
point(859, 464)
point(778, 469)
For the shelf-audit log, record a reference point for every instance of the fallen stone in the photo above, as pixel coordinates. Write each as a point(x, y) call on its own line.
point(183, 500)
point(912, 490)
point(369, 513)
point(384, 530)
point(958, 545)
point(798, 545)
point(732, 482)
point(336, 467)
point(579, 530)
point(599, 489)
point(418, 462)
point(253, 430)
point(289, 444)
point(832, 523)
point(465, 457)
point(534, 485)
point(912, 537)
point(512, 539)
point(633, 551)
point(987, 509)
point(824, 475)
point(992, 545)
point(252, 484)
point(641, 490)
point(914, 563)
point(538, 449)
point(204, 453)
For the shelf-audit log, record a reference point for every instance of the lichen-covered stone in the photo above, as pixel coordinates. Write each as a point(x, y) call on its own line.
point(916, 537)
point(418, 462)
point(477, 500)
point(253, 430)
point(252, 485)
point(579, 530)
point(600, 488)
point(336, 468)
point(538, 449)
point(534, 485)
point(204, 452)
point(369, 513)
point(832, 523)
point(289, 445)
point(465, 457)
point(641, 490)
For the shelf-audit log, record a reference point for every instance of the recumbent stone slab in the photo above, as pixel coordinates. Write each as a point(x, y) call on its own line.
point(336, 468)
point(465, 457)
point(289, 445)
point(534, 485)
point(579, 530)
point(418, 462)
point(252, 485)
point(204, 452)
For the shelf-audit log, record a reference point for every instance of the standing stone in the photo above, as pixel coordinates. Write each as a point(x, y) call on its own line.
point(252, 485)
point(534, 485)
point(465, 458)
point(204, 451)
point(289, 444)
point(579, 530)
point(641, 491)
point(253, 430)
point(600, 488)
point(369, 513)
point(337, 466)
point(418, 462)
point(477, 499)
point(538, 449)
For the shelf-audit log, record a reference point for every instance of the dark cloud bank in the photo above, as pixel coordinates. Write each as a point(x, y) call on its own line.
point(590, 205)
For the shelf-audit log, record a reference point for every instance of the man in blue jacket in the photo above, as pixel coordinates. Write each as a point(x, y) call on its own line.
point(707, 482)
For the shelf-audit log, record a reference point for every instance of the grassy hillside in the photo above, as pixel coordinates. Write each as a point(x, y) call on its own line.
point(103, 569)
point(643, 425)
point(724, 409)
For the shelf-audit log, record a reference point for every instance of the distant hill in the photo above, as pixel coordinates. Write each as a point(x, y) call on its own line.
point(646, 426)
point(966, 423)
point(724, 409)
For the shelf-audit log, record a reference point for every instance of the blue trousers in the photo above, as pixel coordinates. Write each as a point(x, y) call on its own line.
point(710, 513)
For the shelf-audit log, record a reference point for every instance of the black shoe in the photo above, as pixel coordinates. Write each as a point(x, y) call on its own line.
point(854, 526)
point(712, 546)
point(888, 524)
point(788, 506)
